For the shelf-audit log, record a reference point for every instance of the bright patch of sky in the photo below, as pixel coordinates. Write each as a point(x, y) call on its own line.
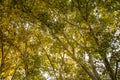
point(55, 19)
point(96, 13)
point(26, 26)
point(117, 33)
point(86, 57)
point(47, 76)
point(116, 43)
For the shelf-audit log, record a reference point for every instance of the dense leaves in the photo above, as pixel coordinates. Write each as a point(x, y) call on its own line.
point(59, 40)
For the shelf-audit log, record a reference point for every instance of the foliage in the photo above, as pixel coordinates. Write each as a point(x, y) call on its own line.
point(64, 39)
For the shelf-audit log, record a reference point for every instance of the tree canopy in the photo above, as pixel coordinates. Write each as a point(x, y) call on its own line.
point(59, 39)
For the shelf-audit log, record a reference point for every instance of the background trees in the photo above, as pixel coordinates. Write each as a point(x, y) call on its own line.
point(64, 40)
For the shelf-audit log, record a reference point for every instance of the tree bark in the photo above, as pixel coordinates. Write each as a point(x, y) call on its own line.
point(2, 55)
point(93, 67)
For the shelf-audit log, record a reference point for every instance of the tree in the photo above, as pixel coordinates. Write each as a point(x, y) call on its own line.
point(66, 39)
